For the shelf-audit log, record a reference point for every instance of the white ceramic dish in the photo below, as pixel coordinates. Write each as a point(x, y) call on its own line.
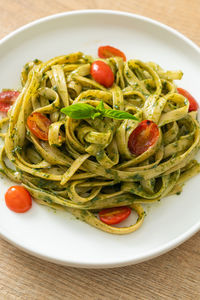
point(58, 237)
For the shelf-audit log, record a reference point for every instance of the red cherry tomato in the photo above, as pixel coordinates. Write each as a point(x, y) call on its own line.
point(39, 125)
point(102, 73)
point(7, 98)
point(108, 51)
point(193, 103)
point(143, 136)
point(18, 199)
point(114, 215)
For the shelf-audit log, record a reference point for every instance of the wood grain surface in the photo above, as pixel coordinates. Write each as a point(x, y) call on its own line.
point(175, 275)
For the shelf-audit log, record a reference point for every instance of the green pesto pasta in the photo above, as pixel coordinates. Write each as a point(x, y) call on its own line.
point(86, 165)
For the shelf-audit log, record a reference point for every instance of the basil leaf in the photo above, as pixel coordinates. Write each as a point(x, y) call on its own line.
point(79, 111)
point(96, 114)
point(100, 106)
point(86, 111)
point(118, 114)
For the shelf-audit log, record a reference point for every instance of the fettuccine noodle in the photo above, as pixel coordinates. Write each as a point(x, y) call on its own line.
point(86, 164)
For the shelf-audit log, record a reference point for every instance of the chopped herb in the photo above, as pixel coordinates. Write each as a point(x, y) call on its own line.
point(95, 199)
point(2, 171)
point(127, 74)
point(13, 133)
point(17, 149)
point(46, 175)
point(109, 171)
point(100, 154)
point(55, 88)
point(26, 67)
point(128, 127)
point(47, 199)
point(137, 177)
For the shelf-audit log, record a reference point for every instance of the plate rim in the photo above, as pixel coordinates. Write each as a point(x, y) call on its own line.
point(101, 11)
point(156, 251)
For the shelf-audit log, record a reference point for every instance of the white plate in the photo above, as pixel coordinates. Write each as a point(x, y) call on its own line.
point(59, 237)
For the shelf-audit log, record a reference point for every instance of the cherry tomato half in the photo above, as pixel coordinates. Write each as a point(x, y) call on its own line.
point(18, 199)
point(39, 125)
point(114, 215)
point(109, 51)
point(102, 73)
point(143, 136)
point(193, 103)
point(7, 99)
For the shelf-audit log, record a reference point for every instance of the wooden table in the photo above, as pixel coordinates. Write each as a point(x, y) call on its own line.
point(175, 275)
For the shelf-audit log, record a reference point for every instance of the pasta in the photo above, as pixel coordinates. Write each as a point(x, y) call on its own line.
point(86, 165)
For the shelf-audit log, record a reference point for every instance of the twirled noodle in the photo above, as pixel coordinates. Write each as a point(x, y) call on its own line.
point(86, 164)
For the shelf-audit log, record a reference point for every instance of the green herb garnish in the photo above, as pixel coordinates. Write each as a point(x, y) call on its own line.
point(17, 149)
point(86, 111)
